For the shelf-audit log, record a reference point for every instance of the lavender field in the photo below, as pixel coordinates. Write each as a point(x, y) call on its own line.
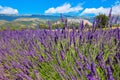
point(59, 39)
point(78, 54)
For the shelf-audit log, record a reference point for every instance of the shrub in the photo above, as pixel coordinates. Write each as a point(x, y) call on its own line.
point(102, 20)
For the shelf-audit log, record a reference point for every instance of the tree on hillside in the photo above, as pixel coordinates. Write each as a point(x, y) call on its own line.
point(102, 20)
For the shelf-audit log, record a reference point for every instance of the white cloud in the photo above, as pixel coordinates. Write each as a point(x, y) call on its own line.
point(96, 11)
point(65, 8)
point(8, 10)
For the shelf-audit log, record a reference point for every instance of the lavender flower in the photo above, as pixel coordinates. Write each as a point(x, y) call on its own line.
point(116, 20)
point(72, 77)
point(37, 76)
point(100, 56)
point(57, 58)
point(41, 59)
point(90, 76)
point(62, 54)
point(78, 71)
point(77, 62)
point(62, 19)
point(62, 73)
point(81, 27)
point(110, 77)
point(49, 25)
point(110, 13)
point(93, 68)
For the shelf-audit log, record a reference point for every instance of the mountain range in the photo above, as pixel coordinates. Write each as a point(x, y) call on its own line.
point(12, 17)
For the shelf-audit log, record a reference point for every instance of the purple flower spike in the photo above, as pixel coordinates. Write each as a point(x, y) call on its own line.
point(62, 55)
point(80, 55)
point(93, 68)
point(77, 62)
point(41, 58)
point(90, 77)
point(110, 13)
point(62, 19)
point(110, 77)
point(36, 73)
point(62, 73)
point(99, 56)
point(49, 24)
point(19, 77)
point(66, 22)
point(78, 71)
point(81, 27)
point(116, 20)
point(111, 20)
point(57, 59)
point(72, 77)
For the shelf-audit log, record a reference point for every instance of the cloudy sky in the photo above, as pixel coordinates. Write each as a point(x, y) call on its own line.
point(71, 7)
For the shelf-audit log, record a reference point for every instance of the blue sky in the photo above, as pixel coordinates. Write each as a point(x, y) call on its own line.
point(72, 7)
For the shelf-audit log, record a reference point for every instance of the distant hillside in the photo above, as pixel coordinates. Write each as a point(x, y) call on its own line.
point(21, 23)
point(42, 17)
point(37, 23)
point(3, 22)
point(8, 17)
